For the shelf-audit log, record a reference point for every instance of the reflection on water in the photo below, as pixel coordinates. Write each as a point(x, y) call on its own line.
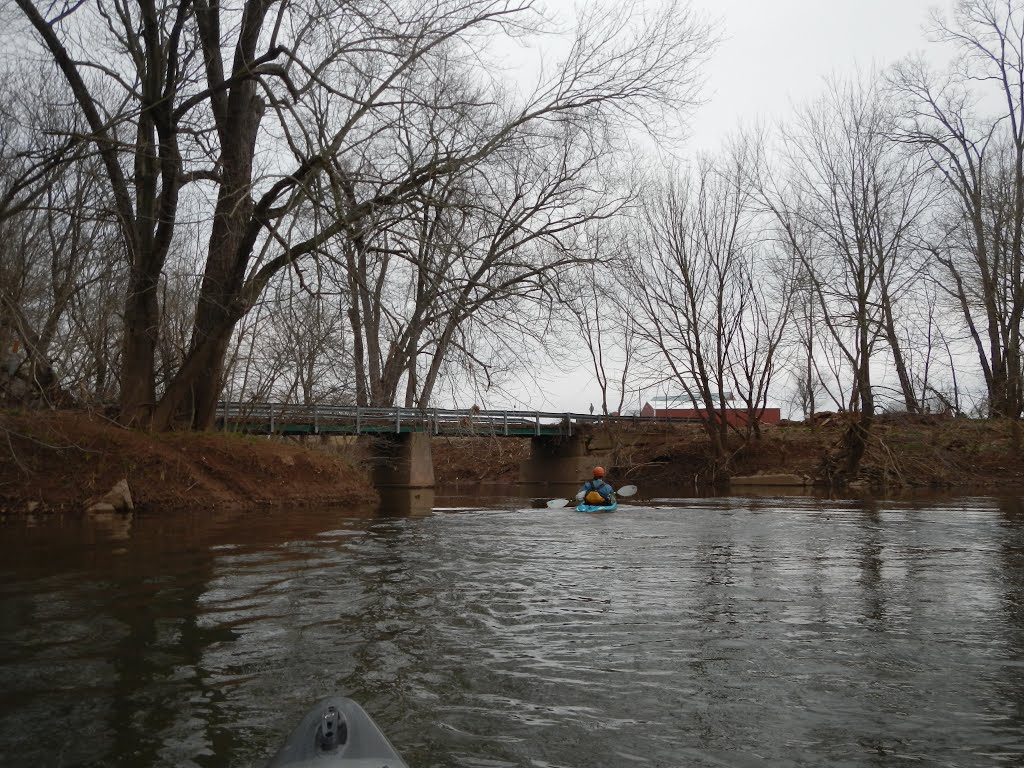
point(407, 502)
point(700, 632)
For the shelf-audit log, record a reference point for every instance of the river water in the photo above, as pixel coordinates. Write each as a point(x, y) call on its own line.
point(488, 633)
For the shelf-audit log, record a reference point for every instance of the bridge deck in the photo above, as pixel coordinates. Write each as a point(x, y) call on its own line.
point(287, 419)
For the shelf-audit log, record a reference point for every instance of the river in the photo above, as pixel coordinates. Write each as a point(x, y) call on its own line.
point(488, 633)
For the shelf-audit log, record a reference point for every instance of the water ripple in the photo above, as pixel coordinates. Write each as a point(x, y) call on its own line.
point(687, 632)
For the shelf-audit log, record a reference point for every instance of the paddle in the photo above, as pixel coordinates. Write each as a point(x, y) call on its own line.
point(626, 490)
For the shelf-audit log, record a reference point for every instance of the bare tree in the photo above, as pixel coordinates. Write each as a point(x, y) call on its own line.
point(36, 192)
point(309, 344)
point(861, 199)
point(693, 290)
point(55, 244)
point(475, 254)
point(806, 334)
point(980, 157)
point(201, 92)
point(602, 326)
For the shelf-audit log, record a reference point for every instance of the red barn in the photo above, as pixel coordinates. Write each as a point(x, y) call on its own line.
point(735, 417)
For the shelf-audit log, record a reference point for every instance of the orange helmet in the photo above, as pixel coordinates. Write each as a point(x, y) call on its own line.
point(598, 471)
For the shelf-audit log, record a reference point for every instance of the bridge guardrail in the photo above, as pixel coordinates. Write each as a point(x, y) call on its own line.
point(273, 417)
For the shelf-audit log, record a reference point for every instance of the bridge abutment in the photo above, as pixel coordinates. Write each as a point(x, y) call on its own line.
point(555, 459)
point(403, 460)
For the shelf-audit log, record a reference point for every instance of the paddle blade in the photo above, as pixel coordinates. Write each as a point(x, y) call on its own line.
point(626, 490)
point(557, 503)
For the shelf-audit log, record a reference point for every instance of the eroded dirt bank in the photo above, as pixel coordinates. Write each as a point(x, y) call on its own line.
point(904, 452)
point(60, 460)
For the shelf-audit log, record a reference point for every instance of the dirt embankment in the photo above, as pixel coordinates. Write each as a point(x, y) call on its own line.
point(904, 452)
point(56, 461)
point(62, 460)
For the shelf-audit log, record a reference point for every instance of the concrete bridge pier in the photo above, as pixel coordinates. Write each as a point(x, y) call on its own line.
point(557, 459)
point(403, 460)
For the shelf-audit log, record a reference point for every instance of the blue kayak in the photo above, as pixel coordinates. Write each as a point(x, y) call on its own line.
point(337, 733)
point(597, 508)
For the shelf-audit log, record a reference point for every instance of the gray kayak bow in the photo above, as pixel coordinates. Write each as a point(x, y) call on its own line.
point(337, 733)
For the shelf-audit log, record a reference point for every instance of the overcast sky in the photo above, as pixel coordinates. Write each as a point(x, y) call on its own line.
point(774, 54)
point(778, 52)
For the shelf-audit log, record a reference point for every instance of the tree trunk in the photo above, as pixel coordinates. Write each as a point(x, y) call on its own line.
point(358, 359)
point(855, 440)
point(193, 395)
point(906, 386)
point(190, 387)
point(141, 329)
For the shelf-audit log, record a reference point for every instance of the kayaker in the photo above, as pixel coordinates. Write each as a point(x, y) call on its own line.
point(597, 492)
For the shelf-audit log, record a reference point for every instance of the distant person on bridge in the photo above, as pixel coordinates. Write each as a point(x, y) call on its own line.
point(597, 492)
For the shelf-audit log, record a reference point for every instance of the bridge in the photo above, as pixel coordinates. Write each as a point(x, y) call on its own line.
point(291, 419)
point(403, 459)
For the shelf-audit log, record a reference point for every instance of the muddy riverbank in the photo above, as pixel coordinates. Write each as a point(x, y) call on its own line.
point(62, 460)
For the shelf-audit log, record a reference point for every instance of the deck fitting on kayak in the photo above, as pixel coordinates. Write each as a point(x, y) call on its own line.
point(336, 733)
point(333, 730)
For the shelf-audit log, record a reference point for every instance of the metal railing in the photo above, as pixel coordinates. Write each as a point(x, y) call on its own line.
point(289, 418)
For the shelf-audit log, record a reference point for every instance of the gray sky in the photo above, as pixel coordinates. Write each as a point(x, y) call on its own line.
point(774, 54)
point(778, 52)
